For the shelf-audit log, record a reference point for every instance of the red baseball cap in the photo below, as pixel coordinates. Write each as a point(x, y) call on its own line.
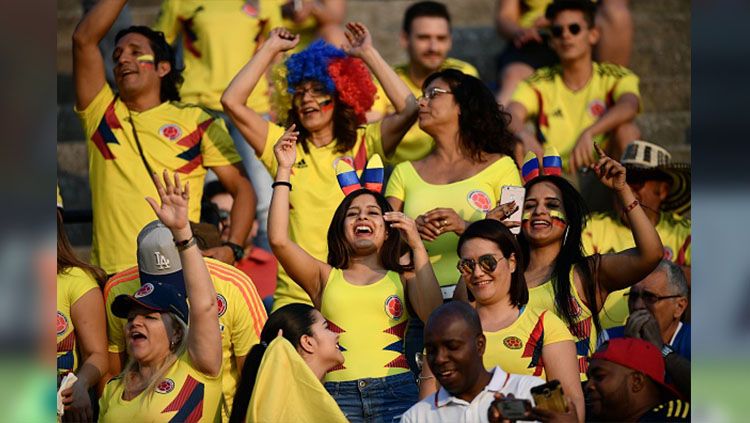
point(639, 355)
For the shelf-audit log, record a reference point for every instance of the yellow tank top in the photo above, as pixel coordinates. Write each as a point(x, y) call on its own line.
point(543, 297)
point(518, 347)
point(372, 321)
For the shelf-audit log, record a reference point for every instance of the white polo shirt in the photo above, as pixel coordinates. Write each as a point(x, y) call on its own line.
point(444, 407)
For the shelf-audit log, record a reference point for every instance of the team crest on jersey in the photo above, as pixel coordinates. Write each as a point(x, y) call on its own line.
point(347, 159)
point(62, 323)
point(221, 303)
point(596, 108)
point(165, 386)
point(393, 307)
point(250, 10)
point(513, 342)
point(479, 200)
point(170, 131)
point(668, 253)
point(145, 290)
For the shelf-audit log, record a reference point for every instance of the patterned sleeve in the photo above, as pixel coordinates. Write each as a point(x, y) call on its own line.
point(115, 335)
point(395, 187)
point(554, 329)
point(249, 318)
point(167, 21)
point(92, 115)
point(217, 146)
point(268, 158)
point(525, 95)
point(628, 84)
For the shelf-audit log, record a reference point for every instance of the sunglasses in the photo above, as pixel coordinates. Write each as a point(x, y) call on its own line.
point(648, 297)
point(557, 30)
point(487, 262)
point(433, 92)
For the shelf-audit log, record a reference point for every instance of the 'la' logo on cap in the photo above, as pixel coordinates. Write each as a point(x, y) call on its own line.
point(161, 261)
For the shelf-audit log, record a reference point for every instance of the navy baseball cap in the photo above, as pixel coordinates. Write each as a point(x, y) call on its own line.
point(156, 296)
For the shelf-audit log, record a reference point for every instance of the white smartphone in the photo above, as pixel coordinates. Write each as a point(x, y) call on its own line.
point(510, 193)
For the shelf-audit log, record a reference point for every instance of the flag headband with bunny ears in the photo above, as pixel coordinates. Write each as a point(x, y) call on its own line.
point(372, 176)
point(551, 164)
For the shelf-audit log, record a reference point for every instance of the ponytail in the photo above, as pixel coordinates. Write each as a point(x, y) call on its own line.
point(247, 383)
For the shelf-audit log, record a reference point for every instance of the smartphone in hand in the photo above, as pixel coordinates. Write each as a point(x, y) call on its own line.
point(510, 193)
point(550, 397)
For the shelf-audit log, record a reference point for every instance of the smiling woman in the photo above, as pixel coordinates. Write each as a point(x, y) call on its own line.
point(362, 290)
point(324, 92)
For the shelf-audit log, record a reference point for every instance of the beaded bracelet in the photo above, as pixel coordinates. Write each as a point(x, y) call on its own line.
point(184, 245)
point(281, 183)
point(631, 206)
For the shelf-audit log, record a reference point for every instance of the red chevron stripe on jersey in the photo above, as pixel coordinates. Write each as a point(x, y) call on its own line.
point(192, 139)
point(534, 346)
point(188, 403)
point(360, 160)
point(399, 362)
point(398, 330)
point(104, 134)
point(68, 343)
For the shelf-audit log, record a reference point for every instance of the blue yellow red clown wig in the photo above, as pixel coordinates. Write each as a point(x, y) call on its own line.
point(339, 73)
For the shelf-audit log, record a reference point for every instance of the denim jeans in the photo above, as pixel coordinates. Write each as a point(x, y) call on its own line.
point(381, 400)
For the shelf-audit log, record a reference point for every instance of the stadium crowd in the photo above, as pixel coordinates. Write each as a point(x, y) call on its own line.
point(287, 228)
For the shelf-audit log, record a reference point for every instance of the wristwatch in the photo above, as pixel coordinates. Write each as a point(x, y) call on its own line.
point(238, 251)
point(666, 350)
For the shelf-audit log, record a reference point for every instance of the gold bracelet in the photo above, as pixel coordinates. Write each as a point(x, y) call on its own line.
point(184, 245)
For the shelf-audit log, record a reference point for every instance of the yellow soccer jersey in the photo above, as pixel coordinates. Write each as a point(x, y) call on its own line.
point(532, 10)
point(560, 115)
point(371, 321)
point(518, 348)
point(416, 143)
point(543, 297)
point(72, 284)
point(315, 196)
point(241, 317)
point(471, 198)
point(219, 37)
point(184, 395)
point(605, 233)
point(175, 136)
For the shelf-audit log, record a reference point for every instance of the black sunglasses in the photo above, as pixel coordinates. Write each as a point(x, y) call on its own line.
point(487, 262)
point(648, 297)
point(557, 30)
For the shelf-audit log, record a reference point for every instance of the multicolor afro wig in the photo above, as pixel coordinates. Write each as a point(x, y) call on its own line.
point(338, 72)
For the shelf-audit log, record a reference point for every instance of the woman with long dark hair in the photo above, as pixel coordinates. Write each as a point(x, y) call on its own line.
point(325, 92)
point(559, 276)
point(308, 333)
point(81, 327)
point(460, 180)
point(361, 290)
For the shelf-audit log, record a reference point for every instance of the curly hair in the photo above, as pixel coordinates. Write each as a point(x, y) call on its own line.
point(482, 123)
point(163, 52)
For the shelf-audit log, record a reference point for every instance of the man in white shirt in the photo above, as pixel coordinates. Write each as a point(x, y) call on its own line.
point(454, 346)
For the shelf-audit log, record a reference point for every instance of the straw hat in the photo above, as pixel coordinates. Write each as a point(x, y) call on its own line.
point(646, 161)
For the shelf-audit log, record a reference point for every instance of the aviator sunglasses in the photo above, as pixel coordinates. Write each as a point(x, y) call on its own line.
point(487, 262)
point(557, 30)
point(648, 297)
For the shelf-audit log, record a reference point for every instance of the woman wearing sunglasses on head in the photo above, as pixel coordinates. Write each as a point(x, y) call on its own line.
point(460, 180)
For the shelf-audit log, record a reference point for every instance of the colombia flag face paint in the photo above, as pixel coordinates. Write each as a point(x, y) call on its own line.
point(145, 60)
point(557, 217)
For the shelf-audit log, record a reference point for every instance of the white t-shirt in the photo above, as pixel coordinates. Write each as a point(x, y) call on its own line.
point(444, 407)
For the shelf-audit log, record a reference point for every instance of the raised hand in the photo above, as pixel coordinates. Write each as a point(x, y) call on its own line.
point(642, 324)
point(407, 227)
point(610, 172)
point(502, 212)
point(173, 211)
point(359, 39)
point(583, 152)
point(281, 39)
point(285, 149)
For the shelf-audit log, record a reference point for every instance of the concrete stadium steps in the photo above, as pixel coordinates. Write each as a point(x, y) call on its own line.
point(661, 57)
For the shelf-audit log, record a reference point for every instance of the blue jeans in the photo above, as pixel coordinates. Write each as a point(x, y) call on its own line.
point(381, 400)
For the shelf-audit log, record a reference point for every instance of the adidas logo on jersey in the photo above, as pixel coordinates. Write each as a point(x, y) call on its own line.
point(301, 164)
